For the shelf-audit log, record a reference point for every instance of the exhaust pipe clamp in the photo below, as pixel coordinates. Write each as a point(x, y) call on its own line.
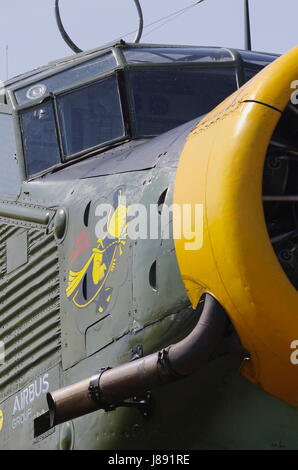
point(94, 387)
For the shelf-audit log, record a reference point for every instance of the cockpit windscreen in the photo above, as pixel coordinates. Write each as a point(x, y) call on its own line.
point(165, 99)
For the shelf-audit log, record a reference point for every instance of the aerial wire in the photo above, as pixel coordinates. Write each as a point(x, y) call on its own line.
point(169, 16)
point(174, 16)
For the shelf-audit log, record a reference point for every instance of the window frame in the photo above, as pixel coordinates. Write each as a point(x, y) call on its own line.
point(52, 98)
point(166, 67)
point(58, 68)
point(230, 56)
point(67, 158)
point(47, 99)
point(121, 70)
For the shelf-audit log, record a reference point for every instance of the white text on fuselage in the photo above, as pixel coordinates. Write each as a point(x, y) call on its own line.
point(24, 399)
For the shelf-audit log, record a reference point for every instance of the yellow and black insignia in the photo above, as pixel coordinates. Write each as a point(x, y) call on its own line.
point(90, 283)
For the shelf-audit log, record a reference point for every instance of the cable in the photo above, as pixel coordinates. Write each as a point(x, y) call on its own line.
point(168, 20)
point(165, 19)
point(175, 13)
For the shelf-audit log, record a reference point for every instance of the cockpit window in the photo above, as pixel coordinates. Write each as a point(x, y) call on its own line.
point(165, 99)
point(87, 117)
point(176, 54)
point(90, 115)
point(40, 140)
point(64, 79)
point(257, 58)
point(254, 62)
point(76, 107)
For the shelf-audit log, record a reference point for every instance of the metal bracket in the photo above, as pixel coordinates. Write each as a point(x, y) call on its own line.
point(94, 388)
point(145, 404)
point(137, 352)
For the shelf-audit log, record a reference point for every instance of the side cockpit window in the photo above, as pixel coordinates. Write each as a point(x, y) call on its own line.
point(164, 99)
point(69, 123)
point(254, 62)
point(79, 106)
point(90, 116)
point(40, 141)
point(10, 173)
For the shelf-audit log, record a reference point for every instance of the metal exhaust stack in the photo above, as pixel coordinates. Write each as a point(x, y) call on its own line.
point(111, 386)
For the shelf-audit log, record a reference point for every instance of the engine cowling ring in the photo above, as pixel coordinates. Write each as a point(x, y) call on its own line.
point(221, 167)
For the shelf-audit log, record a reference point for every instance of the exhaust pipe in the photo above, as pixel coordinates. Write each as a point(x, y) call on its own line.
point(111, 386)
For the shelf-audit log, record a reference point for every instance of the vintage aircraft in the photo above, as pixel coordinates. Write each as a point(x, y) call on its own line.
point(86, 319)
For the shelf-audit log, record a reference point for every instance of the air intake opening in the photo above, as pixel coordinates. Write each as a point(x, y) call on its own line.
point(152, 276)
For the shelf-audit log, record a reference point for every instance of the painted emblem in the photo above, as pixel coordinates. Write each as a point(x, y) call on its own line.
point(90, 283)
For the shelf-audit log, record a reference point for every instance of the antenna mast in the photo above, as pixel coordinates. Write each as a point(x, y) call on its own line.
point(247, 32)
point(73, 46)
point(6, 54)
point(141, 21)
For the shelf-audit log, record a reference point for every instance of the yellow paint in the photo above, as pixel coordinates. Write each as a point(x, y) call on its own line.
point(75, 278)
point(1, 420)
point(99, 268)
point(101, 285)
point(100, 271)
point(117, 223)
point(221, 167)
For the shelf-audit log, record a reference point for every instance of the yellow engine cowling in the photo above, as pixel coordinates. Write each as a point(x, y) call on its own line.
point(221, 168)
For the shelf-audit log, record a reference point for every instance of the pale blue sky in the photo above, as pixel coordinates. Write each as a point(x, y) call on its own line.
point(29, 28)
